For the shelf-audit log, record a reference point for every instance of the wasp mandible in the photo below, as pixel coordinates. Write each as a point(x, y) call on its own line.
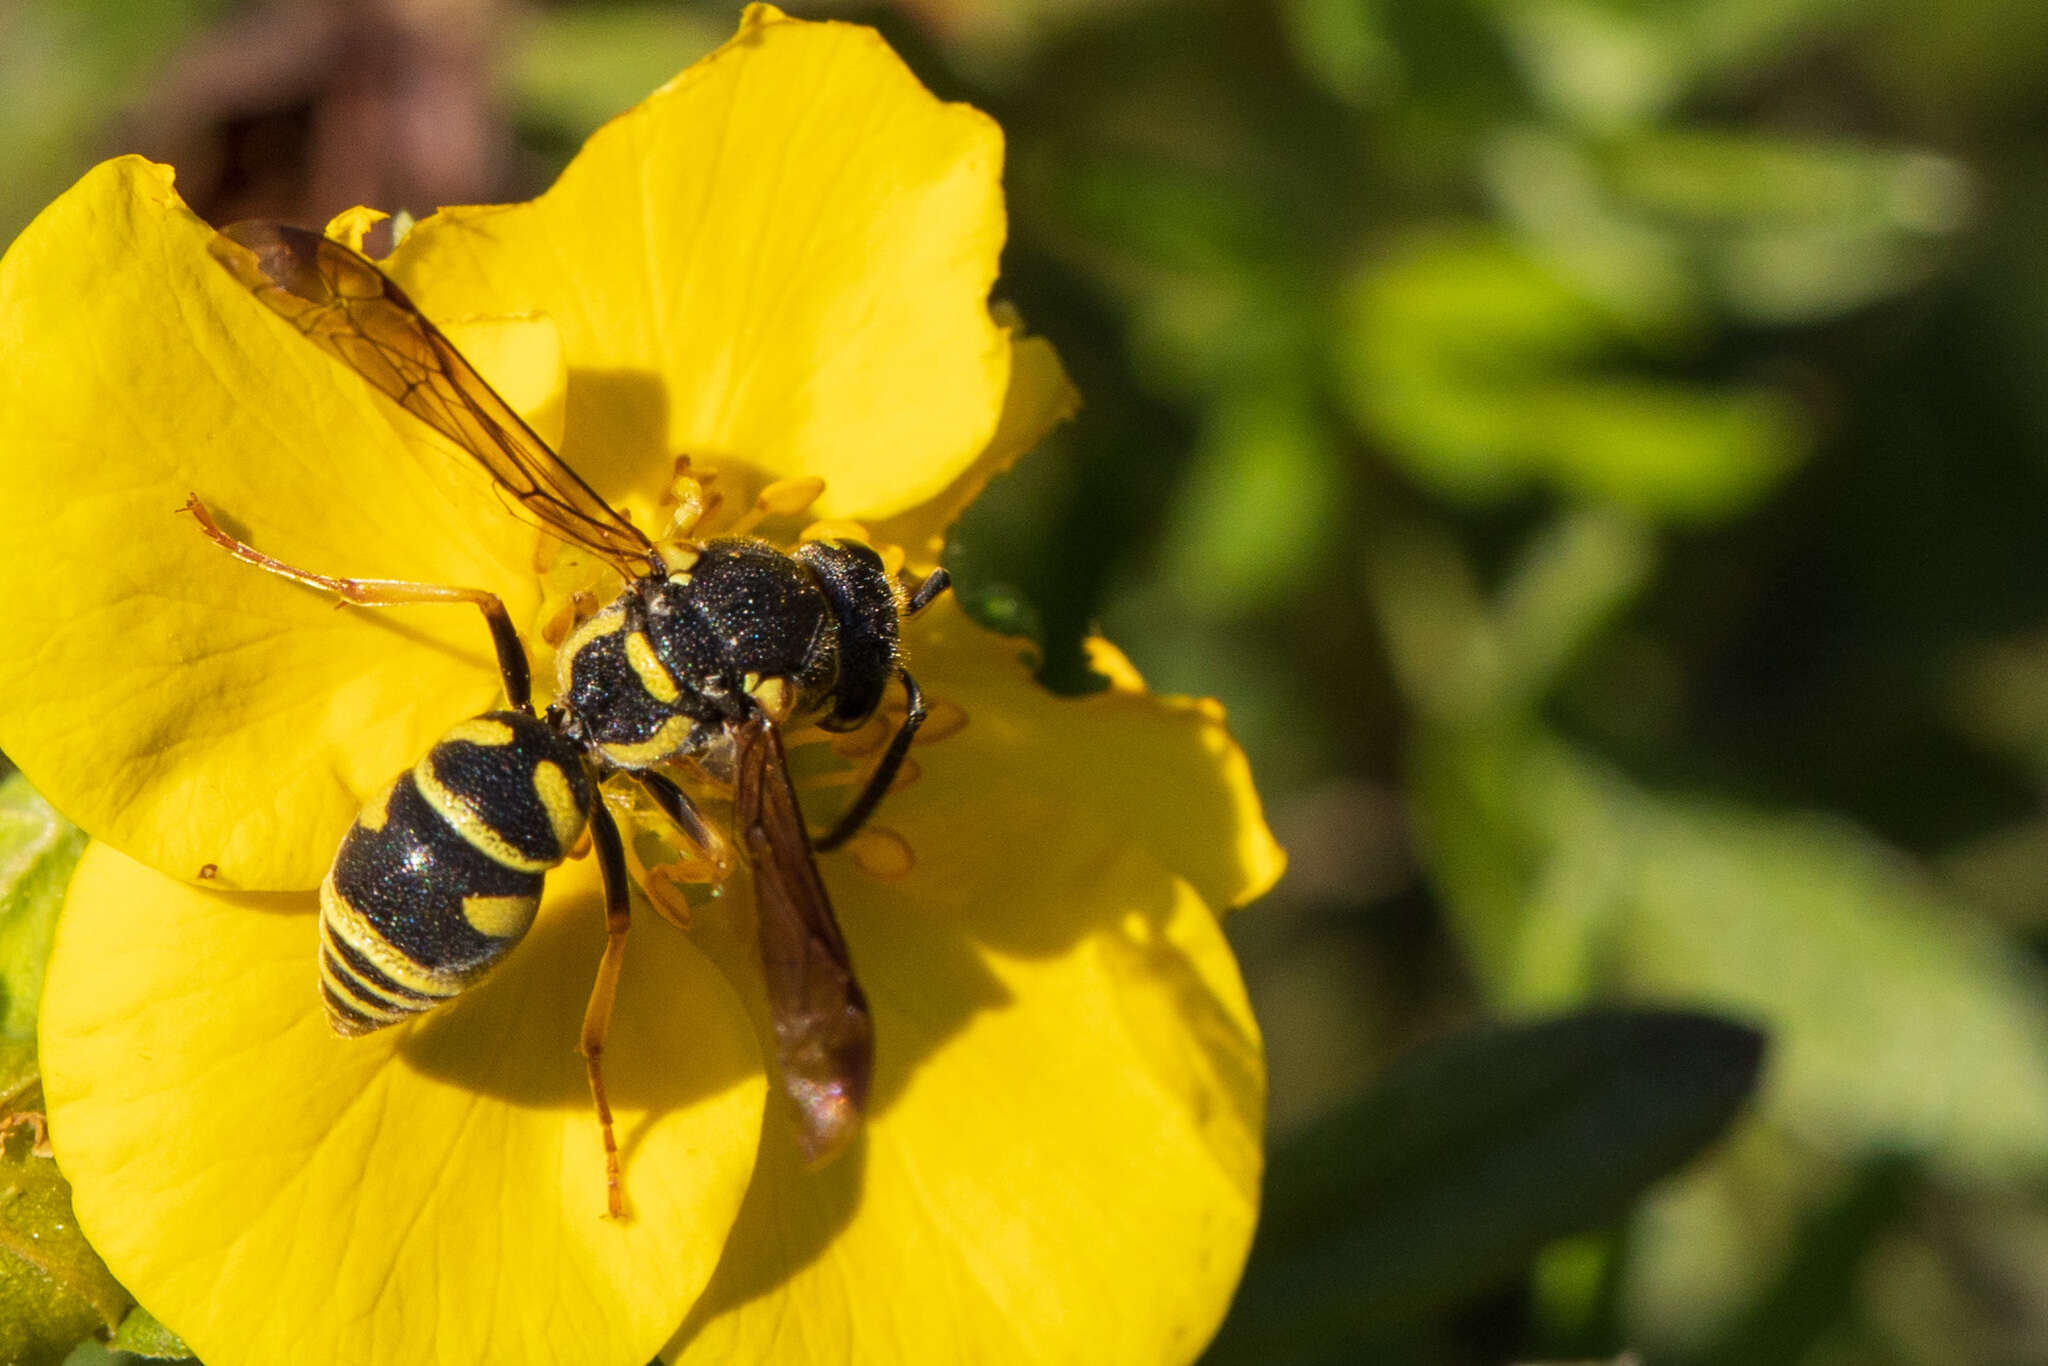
point(707, 654)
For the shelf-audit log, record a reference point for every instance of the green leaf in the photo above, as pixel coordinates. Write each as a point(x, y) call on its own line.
point(38, 850)
point(141, 1335)
point(54, 1290)
point(1902, 1020)
point(1468, 1157)
point(1257, 512)
point(1483, 372)
point(1771, 229)
point(574, 68)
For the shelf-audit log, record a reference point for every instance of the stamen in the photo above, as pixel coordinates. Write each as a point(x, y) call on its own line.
point(908, 773)
point(893, 557)
point(556, 628)
point(664, 887)
point(943, 719)
point(546, 551)
point(834, 529)
point(865, 738)
point(881, 853)
point(807, 734)
point(694, 498)
point(783, 498)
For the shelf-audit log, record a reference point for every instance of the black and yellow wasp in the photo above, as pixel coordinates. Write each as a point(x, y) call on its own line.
point(711, 649)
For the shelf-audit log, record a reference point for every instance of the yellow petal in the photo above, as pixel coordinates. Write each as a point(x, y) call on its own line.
point(180, 705)
point(350, 226)
point(1062, 1159)
point(780, 260)
point(430, 1194)
point(522, 356)
point(1040, 397)
point(1159, 772)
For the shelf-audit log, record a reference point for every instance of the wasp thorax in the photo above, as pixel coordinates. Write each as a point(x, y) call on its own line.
point(665, 668)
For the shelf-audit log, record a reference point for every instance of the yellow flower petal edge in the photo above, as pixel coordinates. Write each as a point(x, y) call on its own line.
point(1159, 772)
point(178, 704)
point(430, 1194)
point(781, 259)
point(1248, 860)
point(1063, 1152)
point(1039, 398)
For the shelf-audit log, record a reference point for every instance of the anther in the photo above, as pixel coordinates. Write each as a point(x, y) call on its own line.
point(664, 887)
point(556, 628)
point(834, 529)
point(863, 739)
point(783, 498)
point(694, 498)
point(943, 719)
point(881, 853)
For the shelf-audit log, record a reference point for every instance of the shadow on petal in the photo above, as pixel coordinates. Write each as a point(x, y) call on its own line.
point(514, 1035)
point(1057, 1138)
point(616, 435)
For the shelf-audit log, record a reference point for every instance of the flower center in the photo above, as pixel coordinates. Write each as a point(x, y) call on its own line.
point(828, 768)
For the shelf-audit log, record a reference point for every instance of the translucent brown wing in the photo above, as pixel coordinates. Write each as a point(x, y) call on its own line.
point(824, 1038)
point(348, 306)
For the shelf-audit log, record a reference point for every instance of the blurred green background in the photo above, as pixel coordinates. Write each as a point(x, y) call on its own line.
point(1598, 451)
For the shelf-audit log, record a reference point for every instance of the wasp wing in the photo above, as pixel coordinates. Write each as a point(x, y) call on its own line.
point(355, 313)
point(824, 1038)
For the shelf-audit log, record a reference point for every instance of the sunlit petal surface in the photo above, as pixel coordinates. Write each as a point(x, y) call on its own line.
point(430, 1194)
point(1062, 1159)
point(180, 705)
point(1039, 398)
point(781, 260)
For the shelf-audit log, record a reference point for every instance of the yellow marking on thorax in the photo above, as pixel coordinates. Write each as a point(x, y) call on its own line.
point(647, 667)
point(602, 624)
point(500, 917)
point(466, 822)
point(558, 799)
point(481, 730)
point(777, 696)
point(377, 810)
point(349, 926)
point(673, 735)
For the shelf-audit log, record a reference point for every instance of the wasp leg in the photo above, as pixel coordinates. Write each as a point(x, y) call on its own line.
point(512, 665)
point(597, 1017)
point(921, 597)
point(885, 772)
point(676, 804)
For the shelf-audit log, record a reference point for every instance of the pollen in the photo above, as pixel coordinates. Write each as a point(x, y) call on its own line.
point(881, 853)
point(834, 529)
point(783, 498)
point(943, 719)
point(693, 499)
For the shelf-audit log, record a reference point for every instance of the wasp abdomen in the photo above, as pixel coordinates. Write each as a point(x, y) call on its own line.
point(442, 873)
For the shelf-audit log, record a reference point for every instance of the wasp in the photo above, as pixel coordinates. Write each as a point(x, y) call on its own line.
point(710, 651)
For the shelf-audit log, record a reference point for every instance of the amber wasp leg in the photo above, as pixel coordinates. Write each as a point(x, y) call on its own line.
point(597, 1017)
point(512, 666)
point(677, 806)
point(885, 772)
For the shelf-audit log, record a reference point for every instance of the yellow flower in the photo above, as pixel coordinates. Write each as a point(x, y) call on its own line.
point(779, 265)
